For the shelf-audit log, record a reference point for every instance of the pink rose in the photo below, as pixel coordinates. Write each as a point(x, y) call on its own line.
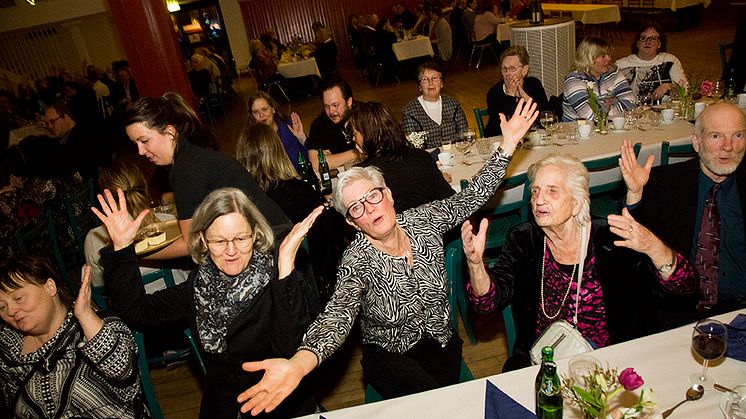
point(706, 88)
point(630, 379)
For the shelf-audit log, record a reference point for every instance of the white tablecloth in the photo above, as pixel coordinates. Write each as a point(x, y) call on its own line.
point(300, 68)
point(664, 361)
point(412, 48)
point(678, 4)
point(19, 134)
point(587, 13)
point(597, 146)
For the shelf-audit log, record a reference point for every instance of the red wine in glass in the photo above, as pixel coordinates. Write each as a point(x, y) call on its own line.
point(709, 340)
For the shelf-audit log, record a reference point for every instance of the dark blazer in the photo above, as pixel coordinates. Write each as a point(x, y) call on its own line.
point(669, 209)
point(628, 280)
point(272, 326)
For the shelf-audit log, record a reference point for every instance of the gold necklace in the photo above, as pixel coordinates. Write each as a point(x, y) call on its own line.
point(569, 285)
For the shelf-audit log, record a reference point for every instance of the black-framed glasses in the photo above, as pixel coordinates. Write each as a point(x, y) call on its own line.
point(651, 38)
point(241, 242)
point(357, 208)
point(52, 121)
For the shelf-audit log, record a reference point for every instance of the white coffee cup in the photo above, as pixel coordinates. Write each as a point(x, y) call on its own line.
point(742, 99)
point(446, 158)
point(699, 107)
point(668, 114)
point(534, 138)
point(618, 122)
point(582, 121)
point(584, 131)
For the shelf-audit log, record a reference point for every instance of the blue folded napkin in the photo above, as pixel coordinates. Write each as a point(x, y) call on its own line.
point(498, 405)
point(435, 153)
point(737, 338)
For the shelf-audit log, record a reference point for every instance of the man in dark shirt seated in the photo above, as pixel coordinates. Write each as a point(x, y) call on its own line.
point(675, 204)
point(328, 130)
point(402, 16)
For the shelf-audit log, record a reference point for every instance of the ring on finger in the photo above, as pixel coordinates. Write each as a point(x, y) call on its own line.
point(629, 229)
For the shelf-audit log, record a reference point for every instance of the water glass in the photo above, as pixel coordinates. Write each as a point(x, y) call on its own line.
point(718, 89)
point(484, 148)
point(735, 406)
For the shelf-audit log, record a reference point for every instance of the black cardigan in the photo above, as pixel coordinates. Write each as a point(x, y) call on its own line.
point(271, 327)
point(628, 280)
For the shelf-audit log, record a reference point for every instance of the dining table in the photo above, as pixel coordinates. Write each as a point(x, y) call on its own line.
point(299, 68)
point(664, 361)
point(679, 4)
point(418, 46)
point(588, 14)
point(16, 135)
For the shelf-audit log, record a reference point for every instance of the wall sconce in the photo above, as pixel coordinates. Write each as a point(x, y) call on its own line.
point(171, 5)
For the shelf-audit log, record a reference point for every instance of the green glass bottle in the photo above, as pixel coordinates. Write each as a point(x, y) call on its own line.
point(548, 394)
point(326, 178)
point(302, 166)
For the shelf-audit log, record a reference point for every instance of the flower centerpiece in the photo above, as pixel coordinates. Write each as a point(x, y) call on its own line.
point(689, 90)
point(595, 393)
point(417, 138)
point(600, 106)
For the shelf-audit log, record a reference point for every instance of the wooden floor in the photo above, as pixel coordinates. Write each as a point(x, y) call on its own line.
point(339, 381)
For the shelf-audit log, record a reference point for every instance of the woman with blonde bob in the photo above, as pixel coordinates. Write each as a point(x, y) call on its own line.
point(241, 303)
point(619, 263)
point(593, 69)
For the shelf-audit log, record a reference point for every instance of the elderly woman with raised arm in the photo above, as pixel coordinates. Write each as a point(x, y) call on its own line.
point(592, 68)
point(242, 302)
point(393, 277)
point(619, 263)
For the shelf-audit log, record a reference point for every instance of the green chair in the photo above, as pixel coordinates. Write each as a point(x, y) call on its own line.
point(509, 328)
point(372, 396)
point(145, 379)
point(479, 114)
point(679, 152)
point(196, 350)
point(502, 219)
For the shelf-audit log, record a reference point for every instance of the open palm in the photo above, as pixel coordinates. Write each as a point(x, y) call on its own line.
point(119, 223)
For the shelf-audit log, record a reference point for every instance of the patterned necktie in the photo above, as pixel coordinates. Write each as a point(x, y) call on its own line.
point(708, 251)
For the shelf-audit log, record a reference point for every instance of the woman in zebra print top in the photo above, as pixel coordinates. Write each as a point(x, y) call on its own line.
point(392, 276)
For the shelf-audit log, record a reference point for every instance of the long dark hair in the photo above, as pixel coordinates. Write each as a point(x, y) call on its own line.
point(171, 109)
point(382, 133)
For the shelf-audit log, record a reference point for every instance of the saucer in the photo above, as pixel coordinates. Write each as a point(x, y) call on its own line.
point(668, 123)
point(612, 129)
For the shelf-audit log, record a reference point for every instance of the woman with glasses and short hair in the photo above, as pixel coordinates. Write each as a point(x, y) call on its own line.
point(393, 277)
point(440, 115)
point(503, 97)
point(650, 70)
point(242, 302)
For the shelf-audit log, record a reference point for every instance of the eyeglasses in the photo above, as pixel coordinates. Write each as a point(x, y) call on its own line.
point(261, 111)
point(240, 242)
point(433, 79)
point(357, 208)
point(52, 121)
point(651, 38)
point(511, 69)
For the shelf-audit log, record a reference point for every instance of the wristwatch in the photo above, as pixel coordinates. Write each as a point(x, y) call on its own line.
point(667, 267)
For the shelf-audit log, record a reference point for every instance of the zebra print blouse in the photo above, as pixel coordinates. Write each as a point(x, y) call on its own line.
point(398, 304)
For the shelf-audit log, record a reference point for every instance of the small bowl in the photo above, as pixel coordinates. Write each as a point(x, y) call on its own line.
point(149, 232)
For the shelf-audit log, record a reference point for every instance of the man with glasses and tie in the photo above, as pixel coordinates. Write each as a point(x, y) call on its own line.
point(650, 70)
point(697, 208)
point(441, 116)
point(86, 146)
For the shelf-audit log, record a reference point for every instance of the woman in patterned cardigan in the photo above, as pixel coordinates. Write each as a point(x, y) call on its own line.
point(393, 277)
point(58, 358)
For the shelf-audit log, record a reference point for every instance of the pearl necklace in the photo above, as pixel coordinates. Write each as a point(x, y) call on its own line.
point(569, 285)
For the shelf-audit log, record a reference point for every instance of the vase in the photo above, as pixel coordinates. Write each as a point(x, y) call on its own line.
point(686, 108)
point(602, 121)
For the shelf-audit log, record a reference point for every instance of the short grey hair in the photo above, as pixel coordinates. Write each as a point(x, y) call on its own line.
point(370, 173)
point(576, 180)
point(222, 202)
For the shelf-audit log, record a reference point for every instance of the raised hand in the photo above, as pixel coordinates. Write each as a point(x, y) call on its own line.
point(518, 125)
point(637, 237)
point(296, 127)
point(82, 309)
point(634, 175)
point(120, 225)
point(474, 243)
point(290, 245)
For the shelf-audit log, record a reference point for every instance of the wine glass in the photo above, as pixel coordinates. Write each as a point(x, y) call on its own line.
point(645, 101)
point(709, 341)
point(548, 120)
point(471, 137)
point(462, 145)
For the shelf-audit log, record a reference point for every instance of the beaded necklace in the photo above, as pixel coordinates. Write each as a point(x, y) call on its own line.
point(569, 285)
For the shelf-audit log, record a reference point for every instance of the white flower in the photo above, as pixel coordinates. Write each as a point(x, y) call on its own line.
point(591, 85)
